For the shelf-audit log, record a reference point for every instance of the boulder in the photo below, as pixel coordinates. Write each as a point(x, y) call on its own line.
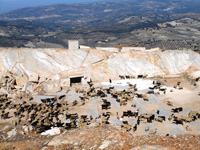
point(21, 81)
point(34, 78)
point(52, 131)
point(12, 133)
point(25, 86)
point(30, 88)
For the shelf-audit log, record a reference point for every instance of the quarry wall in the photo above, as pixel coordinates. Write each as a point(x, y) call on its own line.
point(100, 66)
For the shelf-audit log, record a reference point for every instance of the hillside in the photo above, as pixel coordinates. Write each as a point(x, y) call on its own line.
point(103, 13)
point(146, 23)
point(177, 34)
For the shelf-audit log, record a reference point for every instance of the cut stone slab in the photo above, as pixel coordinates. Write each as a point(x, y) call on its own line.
point(34, 78)
point(25, 86)
point(21, 81)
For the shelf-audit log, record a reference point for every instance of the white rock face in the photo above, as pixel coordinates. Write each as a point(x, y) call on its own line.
point(100, 65)
point(152, 63)
point(8, 59)
point(44, 62)
point(121, 65)
point(175, 63)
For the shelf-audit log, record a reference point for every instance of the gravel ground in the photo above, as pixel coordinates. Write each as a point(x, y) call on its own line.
point(106, 137)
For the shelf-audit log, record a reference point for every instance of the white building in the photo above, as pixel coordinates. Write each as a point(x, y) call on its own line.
point(73, 44)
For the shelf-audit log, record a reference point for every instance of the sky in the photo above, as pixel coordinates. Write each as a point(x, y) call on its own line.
point(9, 5)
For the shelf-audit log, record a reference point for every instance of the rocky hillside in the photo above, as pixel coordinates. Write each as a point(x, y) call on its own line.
point(98, 64)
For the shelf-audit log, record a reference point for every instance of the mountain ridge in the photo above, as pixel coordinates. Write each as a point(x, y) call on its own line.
point(103, 24)
point(63, 13)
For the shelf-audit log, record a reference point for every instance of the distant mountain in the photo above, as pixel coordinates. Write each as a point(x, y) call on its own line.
point(101, 13)
point(111, 23)
point(9, 5)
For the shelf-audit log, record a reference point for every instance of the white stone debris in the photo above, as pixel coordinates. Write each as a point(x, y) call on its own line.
point(52, 131)
point(104, 144)
point(12, 133)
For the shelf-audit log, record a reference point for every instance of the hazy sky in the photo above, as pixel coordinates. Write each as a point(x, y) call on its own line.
point(8, 5)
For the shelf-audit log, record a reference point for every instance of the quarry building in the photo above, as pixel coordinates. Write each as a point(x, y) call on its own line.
point(73, 44)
